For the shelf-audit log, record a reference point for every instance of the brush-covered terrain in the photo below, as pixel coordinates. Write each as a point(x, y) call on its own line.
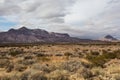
point(60, 62)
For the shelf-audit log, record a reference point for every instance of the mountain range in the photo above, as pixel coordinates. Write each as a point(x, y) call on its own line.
point(25, 35)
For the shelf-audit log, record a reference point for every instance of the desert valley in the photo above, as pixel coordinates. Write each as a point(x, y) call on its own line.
point(59, 39)
point(66, 59)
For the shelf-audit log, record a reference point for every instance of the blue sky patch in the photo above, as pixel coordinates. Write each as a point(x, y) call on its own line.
point(5, 24)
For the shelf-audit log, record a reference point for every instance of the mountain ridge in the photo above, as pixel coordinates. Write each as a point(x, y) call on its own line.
point(25, 35)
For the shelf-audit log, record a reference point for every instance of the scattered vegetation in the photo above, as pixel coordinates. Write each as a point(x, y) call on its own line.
point(60, 62)
point(100, 60)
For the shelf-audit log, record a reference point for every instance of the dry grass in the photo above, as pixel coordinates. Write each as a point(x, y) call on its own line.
point(60, 62)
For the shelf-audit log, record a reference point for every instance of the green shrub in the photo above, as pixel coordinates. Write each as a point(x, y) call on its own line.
point(96, 61)
point(15, 52)
point(110, 55)
point(100, 60)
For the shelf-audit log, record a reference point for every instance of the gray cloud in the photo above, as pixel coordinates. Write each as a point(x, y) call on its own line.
point(81, 18)
point(52, 10)
point(99, 23)
point(8, 8)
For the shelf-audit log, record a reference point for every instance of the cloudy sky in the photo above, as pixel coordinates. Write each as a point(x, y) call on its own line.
point(81, 18)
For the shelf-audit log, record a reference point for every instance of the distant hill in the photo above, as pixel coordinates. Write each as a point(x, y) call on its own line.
point(25, 35)
point(109, 38)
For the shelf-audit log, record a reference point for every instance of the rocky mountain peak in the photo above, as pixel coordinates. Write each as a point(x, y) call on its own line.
point(23, 28)
point(110, 37)
point(11, 30)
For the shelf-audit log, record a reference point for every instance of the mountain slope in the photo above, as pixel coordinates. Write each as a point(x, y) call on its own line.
point(25, 35)
point(109, 38)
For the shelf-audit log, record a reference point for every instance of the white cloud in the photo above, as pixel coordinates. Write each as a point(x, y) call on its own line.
point(96, 17)
point(83, 18)
point(84, 10)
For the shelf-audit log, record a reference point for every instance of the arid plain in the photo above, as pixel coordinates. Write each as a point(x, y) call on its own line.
point(60, 62)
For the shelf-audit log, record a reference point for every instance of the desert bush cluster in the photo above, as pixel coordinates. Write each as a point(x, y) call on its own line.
point(60, 62)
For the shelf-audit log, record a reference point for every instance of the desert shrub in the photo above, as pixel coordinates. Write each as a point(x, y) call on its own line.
point(59, 54)
point(85, 50)
point(118, 55)
point(25, 76)
point(96, 60)
point(4, 63)
point(27, 61)
point(110, 55)
point(117, 52)
point(100, 60)
point(44, 59)
point(28, 57)
point(71, 66)
point(96, 71)
point(15, 77)
point(15, 52)
point(44, 67)
point(49, 45)
point(40, 54)
point(20, 68)
point(10, 67)
point(104, 51)
point(96, 53)
point(43, 51)
point(108, 49)
point(68, 54)
point(48, 54)
point(3, 55)
point(5, 78)
point(58, 75)
point(85, 73)
point(117, 77)
point(38, 76)
point(43, 54)
point(76, 49)
point(80, 54)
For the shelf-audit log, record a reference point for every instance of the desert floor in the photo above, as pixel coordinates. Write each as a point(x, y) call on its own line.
point(60, 62)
